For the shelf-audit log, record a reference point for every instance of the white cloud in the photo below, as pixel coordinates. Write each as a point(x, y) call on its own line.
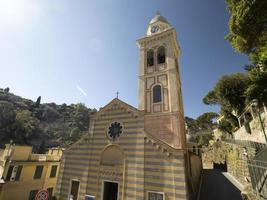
point(81, 90)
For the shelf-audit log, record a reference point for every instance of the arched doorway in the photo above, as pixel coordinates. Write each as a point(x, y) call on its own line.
point(111, 172)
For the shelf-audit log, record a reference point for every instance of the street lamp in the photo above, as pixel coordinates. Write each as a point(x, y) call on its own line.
point(256, 104)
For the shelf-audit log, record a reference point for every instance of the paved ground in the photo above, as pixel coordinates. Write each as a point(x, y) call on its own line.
point(215, 186)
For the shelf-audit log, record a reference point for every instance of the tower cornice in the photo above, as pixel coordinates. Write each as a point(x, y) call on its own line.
point(170, 32)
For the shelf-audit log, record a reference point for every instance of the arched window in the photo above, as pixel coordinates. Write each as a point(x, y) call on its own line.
point(150, 58)
point(156, 94)
point(161, 55)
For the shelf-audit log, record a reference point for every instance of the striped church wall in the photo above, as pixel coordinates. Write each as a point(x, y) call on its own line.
point(165, 173)
point(60, 176)
point(82, 160)
point(146, 168)
point(75, 170)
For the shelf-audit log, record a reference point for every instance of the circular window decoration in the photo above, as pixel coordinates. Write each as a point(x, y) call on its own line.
point(115, 130)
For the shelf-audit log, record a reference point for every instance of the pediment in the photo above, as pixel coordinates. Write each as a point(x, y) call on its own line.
point(117, 104)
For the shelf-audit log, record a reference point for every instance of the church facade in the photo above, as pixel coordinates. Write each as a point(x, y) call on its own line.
point(132, 153)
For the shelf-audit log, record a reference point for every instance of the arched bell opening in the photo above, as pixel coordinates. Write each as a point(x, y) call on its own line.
point(161, 55)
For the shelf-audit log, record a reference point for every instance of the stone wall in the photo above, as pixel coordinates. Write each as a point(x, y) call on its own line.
point(237, 164)
point(256, 134)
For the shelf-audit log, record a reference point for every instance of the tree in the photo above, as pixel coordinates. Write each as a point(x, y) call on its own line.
point(217, 152)
point(6, 90)
point(7, 113)
point(204, 138)
point(229, 92)
point(7, 119)
point(26, 125)
point(75, 133)
point(258, 87)
point(50, 114)
point(211, 98)
point(82, 116)
point(42, 149)
point(230, 117)
point(247, 25)
point(201, 129)
point(220, 152)
point(248, 35)
point(225, 126)
point(260, 58)
point(38, 101)
point(206, 119)
point(191, 126)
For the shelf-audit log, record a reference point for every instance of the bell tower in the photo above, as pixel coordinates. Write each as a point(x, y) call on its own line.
point(160, 95)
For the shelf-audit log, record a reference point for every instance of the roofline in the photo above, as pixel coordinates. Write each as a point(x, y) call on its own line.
point(161, 142)
point(119, 101)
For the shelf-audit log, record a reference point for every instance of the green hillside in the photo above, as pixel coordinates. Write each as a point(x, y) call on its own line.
point(30, 122)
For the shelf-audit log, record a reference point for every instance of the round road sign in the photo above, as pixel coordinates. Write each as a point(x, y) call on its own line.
point(42, 195)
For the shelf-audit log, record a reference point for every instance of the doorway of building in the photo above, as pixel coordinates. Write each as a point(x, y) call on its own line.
point(221, 166)
point(110, 190)
point(74, 189)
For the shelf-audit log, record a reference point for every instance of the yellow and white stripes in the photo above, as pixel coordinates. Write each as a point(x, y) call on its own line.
point(146, 168)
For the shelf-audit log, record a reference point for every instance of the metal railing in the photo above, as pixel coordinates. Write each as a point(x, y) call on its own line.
point(257, 165)
point(258, 172)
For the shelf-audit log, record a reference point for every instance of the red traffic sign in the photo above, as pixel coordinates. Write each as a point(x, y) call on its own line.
point(42, 195)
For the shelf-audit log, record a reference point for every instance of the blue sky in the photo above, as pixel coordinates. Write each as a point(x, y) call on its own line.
point(85, 50)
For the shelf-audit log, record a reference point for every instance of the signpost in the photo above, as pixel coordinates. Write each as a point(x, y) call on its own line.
point(42, 195)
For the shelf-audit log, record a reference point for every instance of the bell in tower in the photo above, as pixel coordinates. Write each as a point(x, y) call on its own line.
point(160, 95)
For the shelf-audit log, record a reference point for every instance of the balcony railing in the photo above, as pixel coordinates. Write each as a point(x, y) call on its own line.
point(43, 157)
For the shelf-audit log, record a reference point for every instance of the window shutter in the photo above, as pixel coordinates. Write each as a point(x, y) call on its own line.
point(18, 173)
point(9, 172)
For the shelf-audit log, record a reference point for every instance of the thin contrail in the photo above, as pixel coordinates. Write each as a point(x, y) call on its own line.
point(81, 90)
